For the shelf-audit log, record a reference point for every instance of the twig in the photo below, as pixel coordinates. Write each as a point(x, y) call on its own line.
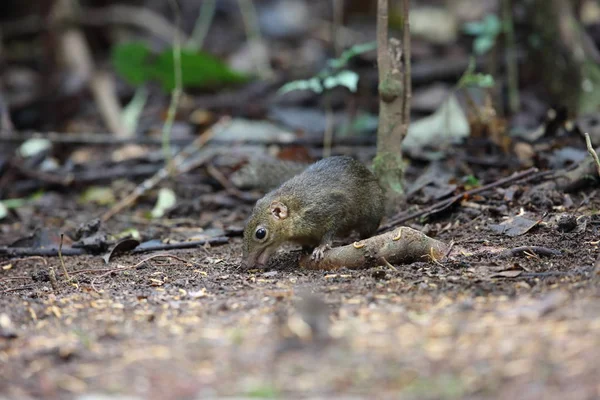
point(183, 245)
point(219, 177)
point(53, 282)
point(406, 76)
point(338, 13)
point(203, 22)
point(62, 180)
point(450, 247)
point(43, 252)
point(18, 288)
point(383, 54)
point(537, 250)
point(105, 93)
point(178, 87)
point(62, 261)
point(15, 278)
point(329, 127)
point(5, 120)
point(443, 204)
point(511, 58)
point(387, 264)
point(176, 164)
point(592, 152)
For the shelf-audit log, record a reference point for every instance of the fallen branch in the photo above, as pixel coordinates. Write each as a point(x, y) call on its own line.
point(62, 261)
point(26, 287)
point(592, 152)
point(404, 245)
point(10, 252)
point(529, 250)
point(182, 245)
point(42, 252)
point(443, 204)
point(178, 165)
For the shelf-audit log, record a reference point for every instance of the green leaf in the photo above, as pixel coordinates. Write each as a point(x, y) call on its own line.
point(353, 51)
point(473, 28)
point(472, 181)
point(166, 199)
point(346, 78)
point(132, 62)
point(263, 392)
point(485, 31)
point(483, 81)
point(313, 84)
point(137, 65)
point(489, 26)
point(329, 76)
point(13, 203)
point(198, 70)
point(472, 79)
point(492, 25)
point(483, 44)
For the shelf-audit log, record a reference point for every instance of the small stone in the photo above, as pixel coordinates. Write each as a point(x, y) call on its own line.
point(566, 223)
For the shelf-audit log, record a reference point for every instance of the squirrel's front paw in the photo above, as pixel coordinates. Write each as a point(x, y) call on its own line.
point(319, 252)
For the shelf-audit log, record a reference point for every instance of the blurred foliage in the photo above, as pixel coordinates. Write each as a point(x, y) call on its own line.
point(34, 146)
point(101, 195)
point(166, 200)
point(470, 78)
point(485, 31)
point(333, 75)
point(471, 181)
point(137, 65)
point(13, 204)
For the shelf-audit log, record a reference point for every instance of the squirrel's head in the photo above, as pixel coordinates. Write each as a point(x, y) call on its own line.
point(263, 233)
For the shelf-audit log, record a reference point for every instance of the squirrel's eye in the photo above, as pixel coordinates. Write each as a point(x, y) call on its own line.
point(260, 233)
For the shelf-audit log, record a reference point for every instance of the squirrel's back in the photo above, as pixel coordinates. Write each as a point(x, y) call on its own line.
point(338, 191)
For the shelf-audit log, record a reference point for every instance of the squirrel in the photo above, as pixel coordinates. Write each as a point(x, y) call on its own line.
point(331, 198)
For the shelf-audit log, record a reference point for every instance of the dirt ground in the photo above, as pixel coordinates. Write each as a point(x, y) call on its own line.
point(473, 326)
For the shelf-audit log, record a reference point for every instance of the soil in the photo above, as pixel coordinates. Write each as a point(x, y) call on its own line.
point(192, 324)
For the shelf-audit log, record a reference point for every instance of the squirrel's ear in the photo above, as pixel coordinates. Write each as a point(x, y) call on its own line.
point(279, 210)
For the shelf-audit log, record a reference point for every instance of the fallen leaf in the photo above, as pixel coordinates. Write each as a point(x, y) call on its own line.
point(447, 125)
point(166, 200)
point(514, 226)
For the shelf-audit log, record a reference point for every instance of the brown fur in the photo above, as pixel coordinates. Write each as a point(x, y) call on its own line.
point(331, 198)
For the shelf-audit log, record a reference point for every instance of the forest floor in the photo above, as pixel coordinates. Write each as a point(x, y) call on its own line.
point(472, 326)
point(513, 311)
